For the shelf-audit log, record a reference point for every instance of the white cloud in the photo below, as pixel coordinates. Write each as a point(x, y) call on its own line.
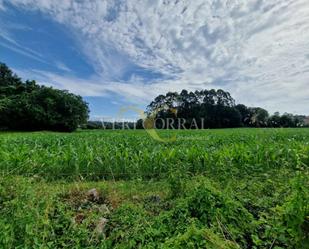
point(136, 92)
point(9, 42)
point(2, 5)
point(256, 49)
point(60, 65)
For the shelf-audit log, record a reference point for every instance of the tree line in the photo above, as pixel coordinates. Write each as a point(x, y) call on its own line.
point(214, 109)
point(25, 105)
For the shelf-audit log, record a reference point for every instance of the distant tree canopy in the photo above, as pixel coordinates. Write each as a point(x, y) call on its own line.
point(29, 106)
point(213, 109)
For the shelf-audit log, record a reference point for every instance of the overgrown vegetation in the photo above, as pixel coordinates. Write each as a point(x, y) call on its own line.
point(132, 154)
point(238, 188)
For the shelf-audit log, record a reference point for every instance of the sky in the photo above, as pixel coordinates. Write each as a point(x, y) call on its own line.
point(120, 53)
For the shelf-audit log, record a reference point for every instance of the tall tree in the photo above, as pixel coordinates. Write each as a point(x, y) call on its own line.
point(28, 106)
point(208, 108)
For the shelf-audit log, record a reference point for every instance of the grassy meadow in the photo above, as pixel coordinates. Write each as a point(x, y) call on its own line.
point(229, 188)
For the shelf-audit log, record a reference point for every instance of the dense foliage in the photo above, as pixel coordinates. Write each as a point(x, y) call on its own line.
point(214, 109)
point(134, 154)
point(227, 189)
point(28, 106)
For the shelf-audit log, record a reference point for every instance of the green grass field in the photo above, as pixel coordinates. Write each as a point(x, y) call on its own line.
point(233, 188)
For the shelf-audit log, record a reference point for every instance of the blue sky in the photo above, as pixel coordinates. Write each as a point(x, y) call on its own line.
point(124, 53)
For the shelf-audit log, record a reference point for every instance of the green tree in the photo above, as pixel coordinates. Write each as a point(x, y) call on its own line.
point(28, 106)
point(209, 108)
point(258, 117)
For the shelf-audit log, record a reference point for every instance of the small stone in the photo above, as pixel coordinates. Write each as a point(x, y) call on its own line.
point(93, 195)
point(104, 209)
point(99, 230)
